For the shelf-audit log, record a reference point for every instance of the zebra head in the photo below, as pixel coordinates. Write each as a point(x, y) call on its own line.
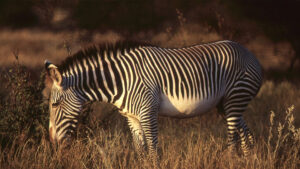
point(64, 105)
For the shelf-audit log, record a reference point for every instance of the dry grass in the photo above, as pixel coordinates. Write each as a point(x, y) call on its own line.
point(191, 143)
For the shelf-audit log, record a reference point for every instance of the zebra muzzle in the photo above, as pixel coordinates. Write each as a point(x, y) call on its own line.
point(52, 135)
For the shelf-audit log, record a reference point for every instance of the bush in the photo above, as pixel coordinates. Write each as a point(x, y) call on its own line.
point(22, 112)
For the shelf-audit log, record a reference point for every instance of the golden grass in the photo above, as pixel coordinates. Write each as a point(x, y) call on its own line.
point(198, 142)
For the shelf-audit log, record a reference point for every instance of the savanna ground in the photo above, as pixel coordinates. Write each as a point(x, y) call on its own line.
point(104, 139)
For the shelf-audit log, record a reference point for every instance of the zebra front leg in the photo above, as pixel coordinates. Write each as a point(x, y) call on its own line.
point(145, 136)
point(150, 127)
point(138, 136)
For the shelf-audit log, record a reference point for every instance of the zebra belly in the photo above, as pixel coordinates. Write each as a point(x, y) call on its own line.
point(183, 108)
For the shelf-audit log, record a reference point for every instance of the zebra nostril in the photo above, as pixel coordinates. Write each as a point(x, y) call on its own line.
point(70, 134)
point(66, 141)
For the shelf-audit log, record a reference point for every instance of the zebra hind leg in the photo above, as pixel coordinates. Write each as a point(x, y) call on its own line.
point(247, 141)
point(236, 124)
point(249, 135)
point(233, 135)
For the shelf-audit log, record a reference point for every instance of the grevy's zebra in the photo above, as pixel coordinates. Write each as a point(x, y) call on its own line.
point(144, 81)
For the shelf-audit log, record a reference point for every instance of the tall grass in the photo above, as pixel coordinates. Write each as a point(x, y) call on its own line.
point(198, 142)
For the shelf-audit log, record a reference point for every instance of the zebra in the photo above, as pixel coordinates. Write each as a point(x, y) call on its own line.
point(144, 81)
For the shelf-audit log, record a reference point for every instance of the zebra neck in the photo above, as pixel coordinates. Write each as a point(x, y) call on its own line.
point(95, 78)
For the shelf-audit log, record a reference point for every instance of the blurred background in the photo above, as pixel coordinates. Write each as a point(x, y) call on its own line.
point(53, 29)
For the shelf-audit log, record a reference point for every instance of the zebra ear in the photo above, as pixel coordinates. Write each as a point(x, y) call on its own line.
point(53, 73)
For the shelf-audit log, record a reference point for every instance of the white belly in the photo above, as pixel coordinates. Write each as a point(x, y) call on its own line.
point(180, 107)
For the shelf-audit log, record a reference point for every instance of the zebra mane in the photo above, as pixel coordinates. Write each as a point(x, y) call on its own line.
point(99, 49)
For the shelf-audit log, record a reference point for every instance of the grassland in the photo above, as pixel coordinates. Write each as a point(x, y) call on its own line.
point(104, 140)
point(198, 142)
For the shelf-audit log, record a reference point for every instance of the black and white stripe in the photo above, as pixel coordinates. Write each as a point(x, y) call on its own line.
point(144, 81)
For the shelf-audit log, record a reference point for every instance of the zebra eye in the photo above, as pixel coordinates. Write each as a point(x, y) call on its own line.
point(55, 104)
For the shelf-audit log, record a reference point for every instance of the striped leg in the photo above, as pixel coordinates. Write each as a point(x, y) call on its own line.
point(233, 138)
point(233, 135)
point(137, 135)
point(143, 125)
point(234, 107)
point(148, 120)
point(149, 125)
point(249, 135)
